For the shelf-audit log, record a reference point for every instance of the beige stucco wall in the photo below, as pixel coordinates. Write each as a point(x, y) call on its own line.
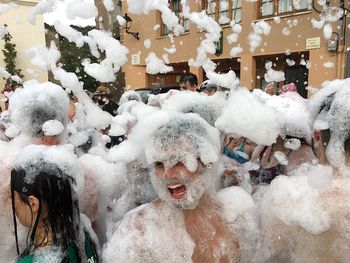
point(274, 43)
point(24, 35)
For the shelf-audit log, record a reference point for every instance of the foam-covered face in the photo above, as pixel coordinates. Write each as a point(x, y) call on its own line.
point(178, 186)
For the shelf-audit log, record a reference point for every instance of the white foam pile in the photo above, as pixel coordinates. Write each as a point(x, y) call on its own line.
point(255, 38)
point(44, 6)
point(252, 119)
point(155, 65)
point(207, 107)
point(168, 16)
point(144, 130)
point(46, 59)
point(31, 107)
point(302, 217)
point(335, 118)
point(46, 159)
point(81, 8)
point(273, 75)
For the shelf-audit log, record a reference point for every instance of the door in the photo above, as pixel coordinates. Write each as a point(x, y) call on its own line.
point(299, 76)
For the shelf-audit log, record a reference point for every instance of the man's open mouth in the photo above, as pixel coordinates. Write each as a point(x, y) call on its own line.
point(177, 191)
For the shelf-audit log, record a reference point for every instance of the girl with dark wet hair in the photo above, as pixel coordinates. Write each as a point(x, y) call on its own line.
point(46, 203)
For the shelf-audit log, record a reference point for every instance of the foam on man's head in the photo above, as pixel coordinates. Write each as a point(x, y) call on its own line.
point(184, 138)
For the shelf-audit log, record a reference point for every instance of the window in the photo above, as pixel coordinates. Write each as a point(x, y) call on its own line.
point(281, 7)
point(223, 11)
point(176, 7)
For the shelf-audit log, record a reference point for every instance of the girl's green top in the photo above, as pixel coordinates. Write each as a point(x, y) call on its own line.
point(90, 251)
point(72, 256)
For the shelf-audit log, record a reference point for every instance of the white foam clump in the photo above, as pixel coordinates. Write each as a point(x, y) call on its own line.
point(293, 114)
point(53, 128)
point(227, 80)
point(328, 64)
point(232, 38)
point(109, 5)
point(235, 51)
point(208, 107)
point(237, 200)
point(295, 202)
point(37, 158)
point(70, 33)
point(336, 116)
point(26, 104)
point(128, 96)
point(3, 31)
point(254, 38)
point(42, 57)
point(318, 24)
point(4, 73)
point(44, 6)
point(286, 31)
point(159, 99)
point(328, 88)
point(147, 43)
point(327, 31)
point(290, 62)
point(142, 143)
point(273, 75)
point(292, 144)
point(168, 16)
point(130, 244)
point(224, 20)
point(155, 65)
point(12, 131)
point(81, 8)
point(281, 157)
point(318, 176)
point(116, 56)
point(277, 19)
point(246, 115)
point(207, 45)
point(121, 20)
point(16, 79)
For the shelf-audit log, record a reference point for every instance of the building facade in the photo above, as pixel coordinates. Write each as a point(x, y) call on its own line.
point(293, 45)
point(24, 35)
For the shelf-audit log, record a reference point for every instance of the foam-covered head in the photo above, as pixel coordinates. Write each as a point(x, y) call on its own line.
point(182, 150)
point(183, 138)
point(128, 96)
point(56, 160)
point(49, 175)
point(36, 104)
point(331, 110)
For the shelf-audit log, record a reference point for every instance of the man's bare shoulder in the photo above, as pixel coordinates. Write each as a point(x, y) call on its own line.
point(152, 232)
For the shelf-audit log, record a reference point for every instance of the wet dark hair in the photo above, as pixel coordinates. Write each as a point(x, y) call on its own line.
point(54, 191)
point(190, 78)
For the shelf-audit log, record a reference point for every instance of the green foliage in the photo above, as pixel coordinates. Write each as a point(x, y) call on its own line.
point(72, 56)
point(10, 56)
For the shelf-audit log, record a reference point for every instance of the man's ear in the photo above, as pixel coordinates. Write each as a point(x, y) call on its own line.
point(34, 203)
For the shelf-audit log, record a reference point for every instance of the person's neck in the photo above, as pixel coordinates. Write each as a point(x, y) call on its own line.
point(207, 204)
point(43, 236)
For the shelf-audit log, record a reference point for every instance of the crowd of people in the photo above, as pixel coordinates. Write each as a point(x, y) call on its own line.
point(200, 174)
